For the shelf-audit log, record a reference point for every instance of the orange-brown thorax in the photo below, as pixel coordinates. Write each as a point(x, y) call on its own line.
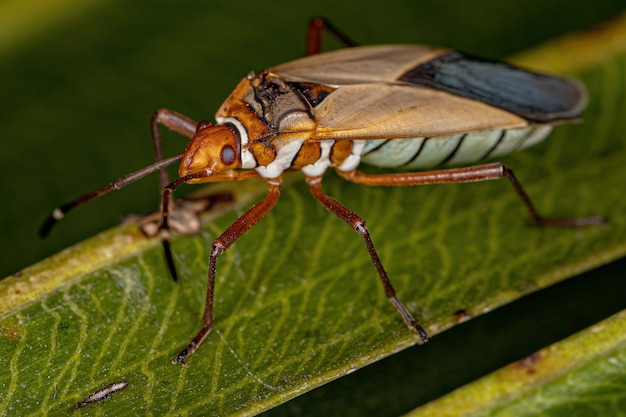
point(266, 125)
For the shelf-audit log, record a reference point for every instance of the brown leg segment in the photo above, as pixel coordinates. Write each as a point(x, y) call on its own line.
point(164, 229)
point(223, 242)
point(185, 126)
point(166, 204)
point(358, 225)
point(469, 174)
point(315, 35)
point(175, 122)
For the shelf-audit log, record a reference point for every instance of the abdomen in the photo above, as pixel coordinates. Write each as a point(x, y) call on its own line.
point(461, 149)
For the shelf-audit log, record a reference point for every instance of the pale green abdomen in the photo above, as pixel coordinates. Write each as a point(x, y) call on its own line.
point(462, 149)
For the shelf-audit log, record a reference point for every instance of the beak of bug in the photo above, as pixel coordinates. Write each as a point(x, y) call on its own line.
point(214, 150)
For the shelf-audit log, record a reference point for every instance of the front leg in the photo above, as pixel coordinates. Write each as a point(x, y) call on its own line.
point(174, 121)
point(223, 242)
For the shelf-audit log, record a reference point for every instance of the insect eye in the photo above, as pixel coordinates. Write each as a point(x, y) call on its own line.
point(203, 124)
point(227, 155)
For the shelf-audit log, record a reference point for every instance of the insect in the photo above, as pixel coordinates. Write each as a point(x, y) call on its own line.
point(396, 106)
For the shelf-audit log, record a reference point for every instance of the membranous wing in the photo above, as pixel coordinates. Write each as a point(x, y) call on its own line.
point(395, 91)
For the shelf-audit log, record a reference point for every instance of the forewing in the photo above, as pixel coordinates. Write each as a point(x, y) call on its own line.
point(381, 110)
point(364, 64)
point(535, 96)
point(413, 91)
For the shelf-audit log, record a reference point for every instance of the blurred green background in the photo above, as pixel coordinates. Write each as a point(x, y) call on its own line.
point(79, 81)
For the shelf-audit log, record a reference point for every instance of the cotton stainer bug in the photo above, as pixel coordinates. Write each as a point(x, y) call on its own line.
point(396, 106)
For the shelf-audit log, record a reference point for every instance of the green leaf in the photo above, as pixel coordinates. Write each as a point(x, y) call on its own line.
point(298, 302)
point(583, 375)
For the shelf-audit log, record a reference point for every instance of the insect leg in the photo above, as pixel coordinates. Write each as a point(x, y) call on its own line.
point(186, 127)
point(59, 212)
point(315, 32)
point(164, 229)
point(476, 173)
point(354, 221)
point(175, 122)
point(223, 242)
point(166, 207)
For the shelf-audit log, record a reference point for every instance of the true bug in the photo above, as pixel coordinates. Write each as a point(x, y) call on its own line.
point(396, 106)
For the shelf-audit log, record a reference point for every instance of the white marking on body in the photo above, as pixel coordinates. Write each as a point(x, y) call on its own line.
point(323, 162)
point(247, 159)
point(354, 159)
point(285, 153)
point(313, 180)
